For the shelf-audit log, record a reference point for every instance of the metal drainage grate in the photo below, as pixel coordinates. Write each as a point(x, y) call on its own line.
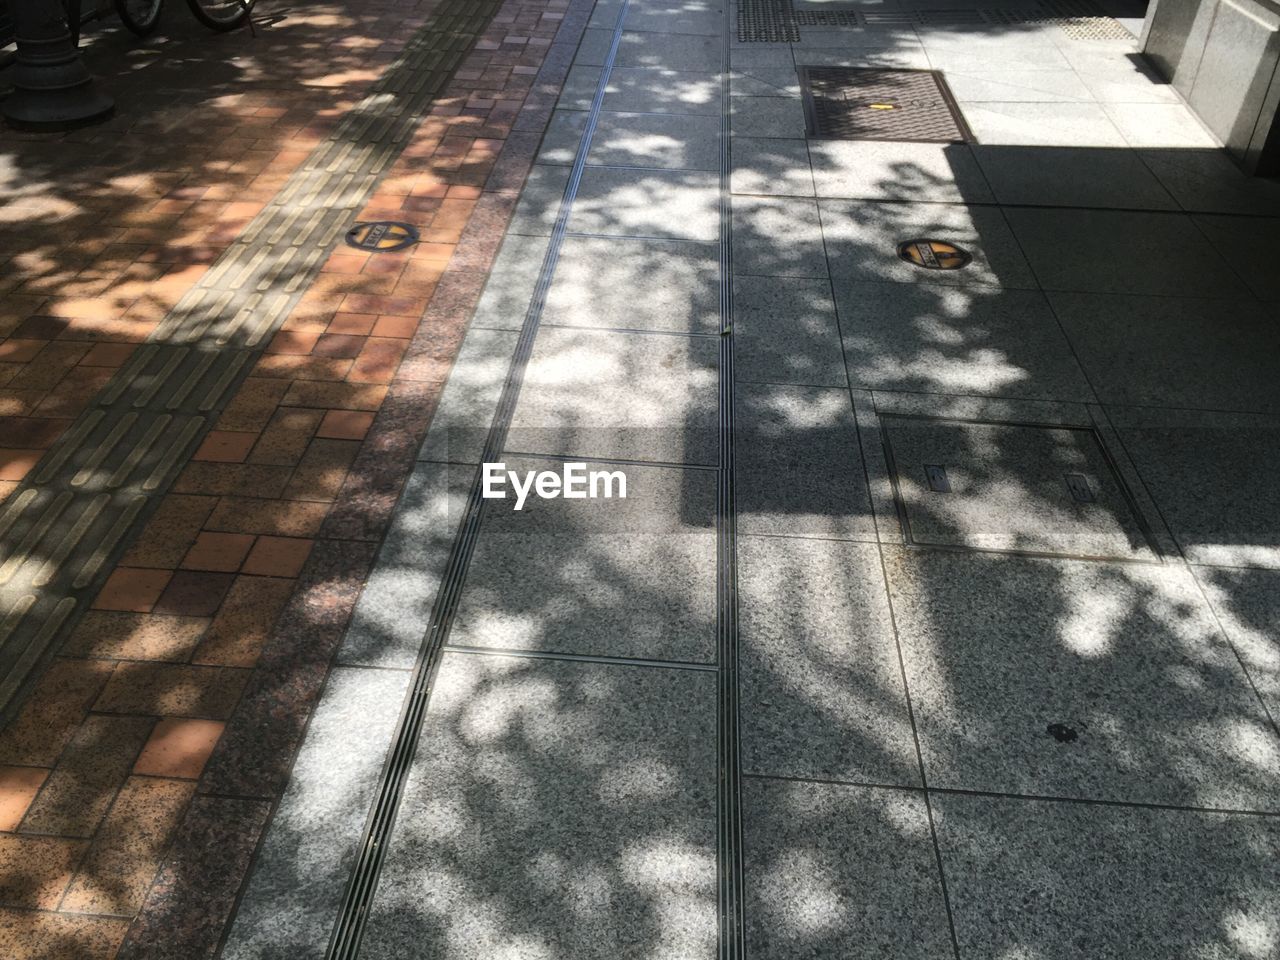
point(767, 21)
point(843, 103)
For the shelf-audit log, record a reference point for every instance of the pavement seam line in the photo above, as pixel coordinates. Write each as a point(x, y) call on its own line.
point(349, 926)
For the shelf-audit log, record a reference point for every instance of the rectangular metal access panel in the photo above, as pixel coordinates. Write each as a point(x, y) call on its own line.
point(846, 103)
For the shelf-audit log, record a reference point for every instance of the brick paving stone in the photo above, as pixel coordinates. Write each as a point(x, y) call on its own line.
point(89, 772)
point(243, 622)
point(172, 690)
point(129, 636)
point(121, 862)
point(18, 786)
point(53, 712)
point(170, 532)
point(179, 747)
point(28, 935)
point(191, 593)
point(35, 871)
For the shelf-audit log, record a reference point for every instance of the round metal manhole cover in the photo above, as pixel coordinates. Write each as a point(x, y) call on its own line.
point(382, 236)
point(934, 254)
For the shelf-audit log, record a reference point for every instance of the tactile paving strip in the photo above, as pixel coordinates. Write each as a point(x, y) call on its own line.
point(767, 21)
point(777, 21)
point(844, 103)
point(61, 529)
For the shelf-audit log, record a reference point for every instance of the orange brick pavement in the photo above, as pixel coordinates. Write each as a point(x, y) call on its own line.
point(136, 779)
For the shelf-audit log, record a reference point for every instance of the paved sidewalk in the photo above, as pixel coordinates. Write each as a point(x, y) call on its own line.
point(966, 615)
point(939, 619)
point(201, 600)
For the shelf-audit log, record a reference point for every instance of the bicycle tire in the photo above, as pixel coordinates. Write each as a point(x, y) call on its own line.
point(221, 15)
point(140, 16)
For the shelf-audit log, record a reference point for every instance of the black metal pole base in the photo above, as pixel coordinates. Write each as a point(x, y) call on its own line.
point(52, 88)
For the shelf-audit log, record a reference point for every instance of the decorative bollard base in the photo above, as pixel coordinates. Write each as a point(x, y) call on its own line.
point(52, 88)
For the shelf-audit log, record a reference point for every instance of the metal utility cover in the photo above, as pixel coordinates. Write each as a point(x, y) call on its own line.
point(1011, 487)
point(382, 236)
point(847, 103)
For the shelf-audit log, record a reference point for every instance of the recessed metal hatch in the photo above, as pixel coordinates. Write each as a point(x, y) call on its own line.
point(847, 103)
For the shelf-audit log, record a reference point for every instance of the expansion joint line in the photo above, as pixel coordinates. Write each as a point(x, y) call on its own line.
point(348, 931)
point(729, 779)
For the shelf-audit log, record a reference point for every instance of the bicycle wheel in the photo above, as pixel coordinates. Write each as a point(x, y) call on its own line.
point(221, 14)
point(140, 16)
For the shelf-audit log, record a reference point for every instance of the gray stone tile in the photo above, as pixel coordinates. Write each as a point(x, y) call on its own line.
point(1117, 78)
point(1072, 177)
point(671, 52)
point(798, 467)
point(821, 688)
point(1114, 251)
point(1060, 881)
point(630, 284)
point(1210, 354)
point(604, 15)
point(1247, 605)
point(628, 396)
point(984, 84)
point(906, 56)
point(557, 810)
point(295, 890)
point(751, 56)
point(785, 331)
point(579, 88)
point(1043, 124)
point(770, 167)
point(1208, 181)
point(1008, 489)
point(563, 137)
point(633, 577)
point(767, 117)
point(676, 204)
point(509, 289)
point(595, 44)
point(875, 170)
point(394, 610)
point(953, 340)
point(966, 57)
point(765, 82)
point(1244, 243)
point(840, 871)
point(650, 90)
point(539, 205)
point(1213, 477)
point(1160, 125)
point(862, 242)
point(674, 142)
point(1072, 679)
point(461, 421)
point(777, 238)
point(676, 16)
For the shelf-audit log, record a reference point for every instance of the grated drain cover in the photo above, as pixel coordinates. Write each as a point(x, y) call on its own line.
point(843, 103)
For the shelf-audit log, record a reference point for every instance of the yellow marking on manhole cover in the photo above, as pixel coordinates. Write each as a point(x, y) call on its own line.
point(382, 236)
point(934, 254)
point(882, 106)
